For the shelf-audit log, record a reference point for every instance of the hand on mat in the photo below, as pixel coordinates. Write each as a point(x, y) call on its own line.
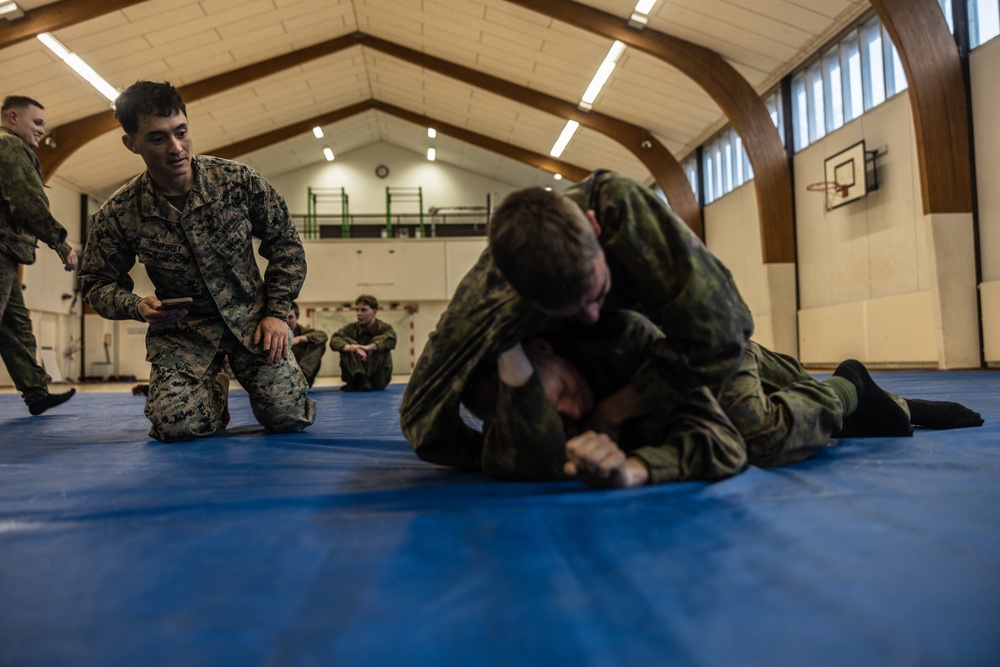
point(596, 460)
point(149, 310)
point(275, 334)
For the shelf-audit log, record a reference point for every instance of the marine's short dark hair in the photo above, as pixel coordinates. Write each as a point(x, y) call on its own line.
point(368, 300)
point(19, 101)
point(295, 308)
point(541, 243)
point(147, 98)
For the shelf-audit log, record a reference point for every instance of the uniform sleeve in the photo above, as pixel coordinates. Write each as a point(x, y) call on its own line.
point(483, 318)
point(525, 440)
point(315, 337)
point(23, 191)
point(696, 442)
point(660, 265)
point(386, 339)
point(104, 271)
point(280, 246)
point(341, 337)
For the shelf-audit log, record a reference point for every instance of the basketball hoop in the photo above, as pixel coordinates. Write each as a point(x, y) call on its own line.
point(831, 188)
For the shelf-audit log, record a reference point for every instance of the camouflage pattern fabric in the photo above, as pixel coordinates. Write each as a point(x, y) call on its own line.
point(771, 412)
point(24, 219)
point(657, 266)
point(17, 341)
point(24, 208)
point(309, 354)
point(182, 406)
point(377, 367)
point(204, 252)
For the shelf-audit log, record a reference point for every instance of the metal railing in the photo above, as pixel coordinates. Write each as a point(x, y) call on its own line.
point(470, 223)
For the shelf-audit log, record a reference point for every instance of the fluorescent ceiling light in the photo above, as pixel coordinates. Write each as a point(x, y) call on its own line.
point(558, 177)
point(431, 132)
point(431, 153)
point(81, 68)
point(10, 11)
point(318, 132)
point(603, 72)
point(328, 152)
point(643, 6)
point(563, 140)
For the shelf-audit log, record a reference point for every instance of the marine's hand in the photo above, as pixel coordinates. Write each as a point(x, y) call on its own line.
point(274, 333)
point(596, 460)
point(72, 262)
point(149, 310)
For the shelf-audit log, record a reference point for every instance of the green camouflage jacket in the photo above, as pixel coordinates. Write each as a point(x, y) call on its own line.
point(24, 208)
point(204, 252)
point(658, 266)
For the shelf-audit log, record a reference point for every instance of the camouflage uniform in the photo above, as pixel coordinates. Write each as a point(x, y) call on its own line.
point(309, 354)
point(204, 252)
point(24, 219)
point(377, 367)
point(769, 413)
point(657, 266)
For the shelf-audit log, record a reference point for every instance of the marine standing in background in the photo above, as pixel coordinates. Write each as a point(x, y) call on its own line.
point(365, 348)
point(308, 345)
point(190, 220)
point(25, 219)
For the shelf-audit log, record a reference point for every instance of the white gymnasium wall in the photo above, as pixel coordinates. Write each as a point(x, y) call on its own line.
point(443, 185)
point(732, 233)
point(984, 63)
point(863, 268)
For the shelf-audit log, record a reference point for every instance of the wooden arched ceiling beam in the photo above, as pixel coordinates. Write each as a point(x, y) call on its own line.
point(665, 169)
point(56, 15)
point(68, 138)
point(545, 162)
point(734, 95)
point(937, 94)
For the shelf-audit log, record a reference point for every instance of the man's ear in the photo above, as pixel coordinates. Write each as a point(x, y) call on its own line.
point(129, 144)
point(596, 226)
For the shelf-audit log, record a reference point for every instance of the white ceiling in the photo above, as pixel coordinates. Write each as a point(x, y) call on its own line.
point(185, 41)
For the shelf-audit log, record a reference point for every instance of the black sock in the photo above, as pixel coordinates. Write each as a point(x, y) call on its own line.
point(942, 414)
point(876, 411)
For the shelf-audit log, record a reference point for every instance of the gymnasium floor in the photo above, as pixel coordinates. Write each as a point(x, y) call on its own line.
point(339, 547)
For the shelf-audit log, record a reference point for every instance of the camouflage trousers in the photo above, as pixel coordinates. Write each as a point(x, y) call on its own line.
point(377, 367)
point(18, 346)
point(183, 407)
point(309, 356)
point(771, 412)
point(783, 413)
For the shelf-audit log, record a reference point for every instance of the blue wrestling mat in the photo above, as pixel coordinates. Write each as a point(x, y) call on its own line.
point(339, 547)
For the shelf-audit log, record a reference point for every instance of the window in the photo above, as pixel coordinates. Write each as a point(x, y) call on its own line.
point(858, 73)
point(984, 21)
point(873, 71)
point(850, 67)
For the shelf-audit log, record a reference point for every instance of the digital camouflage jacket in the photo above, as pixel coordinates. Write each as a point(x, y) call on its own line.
point(204, 252)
